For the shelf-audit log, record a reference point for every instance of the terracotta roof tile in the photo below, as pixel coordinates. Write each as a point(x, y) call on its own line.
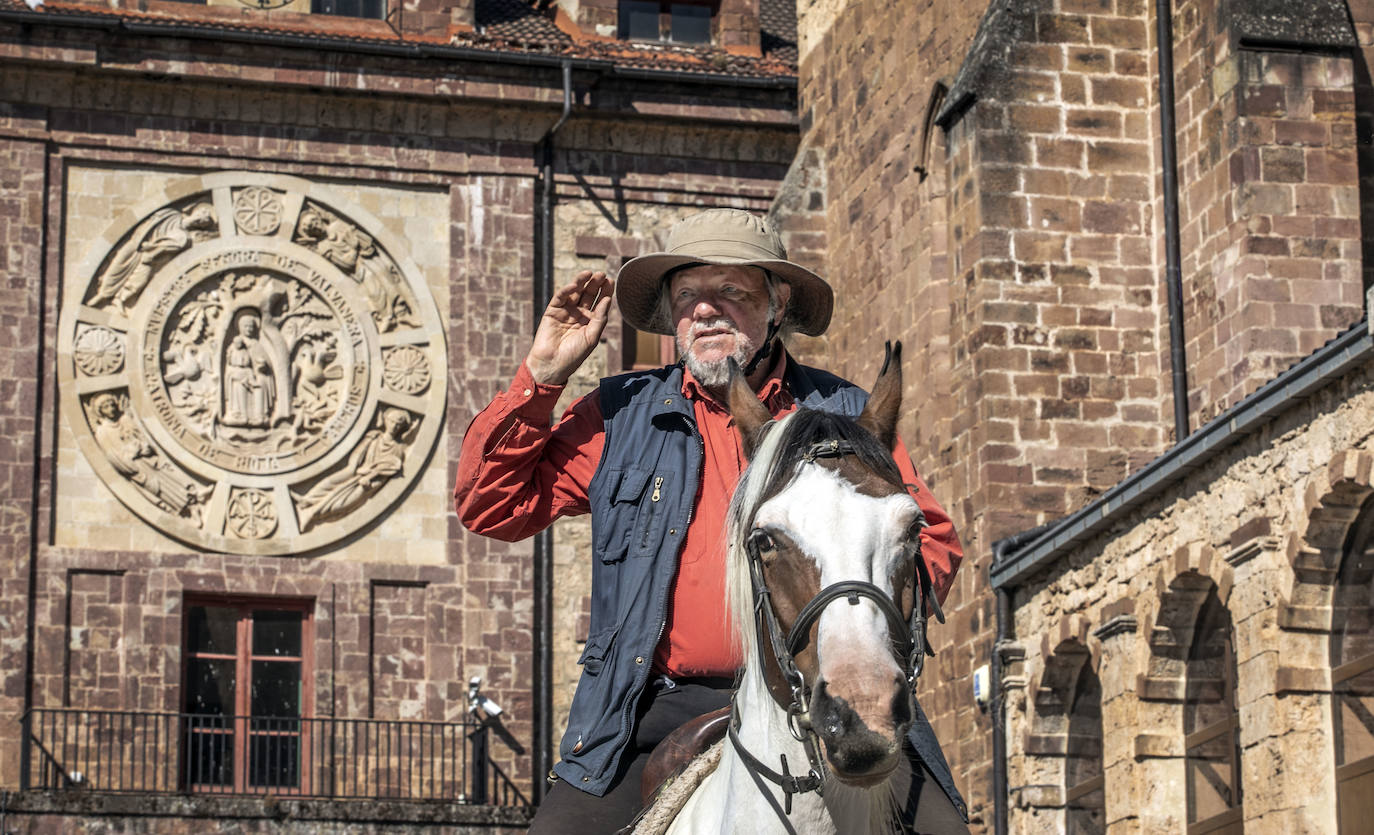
point(778, 25)
point(519, 22)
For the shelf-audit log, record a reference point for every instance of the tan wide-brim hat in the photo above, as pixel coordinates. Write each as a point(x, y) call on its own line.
point(729, 237)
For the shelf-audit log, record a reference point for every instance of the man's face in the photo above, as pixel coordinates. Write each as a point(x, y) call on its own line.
point(720, 312)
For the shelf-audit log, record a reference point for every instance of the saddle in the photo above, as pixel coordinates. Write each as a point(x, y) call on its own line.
point(679, 748)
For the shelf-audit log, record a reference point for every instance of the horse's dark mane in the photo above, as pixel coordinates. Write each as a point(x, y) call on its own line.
point(809, 426)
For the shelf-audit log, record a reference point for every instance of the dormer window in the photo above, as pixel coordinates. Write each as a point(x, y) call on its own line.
point(663, 20)
point(374, 9)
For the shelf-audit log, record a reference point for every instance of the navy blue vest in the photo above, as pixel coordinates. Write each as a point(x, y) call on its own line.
point(641, 499)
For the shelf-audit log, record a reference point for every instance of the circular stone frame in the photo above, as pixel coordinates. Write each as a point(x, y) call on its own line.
point(204, 474)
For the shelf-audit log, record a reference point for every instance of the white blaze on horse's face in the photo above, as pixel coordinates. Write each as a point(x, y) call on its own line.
point(850, 536)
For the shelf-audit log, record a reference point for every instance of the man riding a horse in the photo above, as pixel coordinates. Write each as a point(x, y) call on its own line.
point(655, 456)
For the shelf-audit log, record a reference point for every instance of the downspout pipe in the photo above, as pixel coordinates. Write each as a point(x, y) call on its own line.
point(999, 716)
point(1178, 358)
point(542, 753)
point(31, 593)
point(1006, 633)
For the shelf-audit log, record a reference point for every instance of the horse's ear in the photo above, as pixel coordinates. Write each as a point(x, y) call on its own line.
point(749, 414)
point(880, 413)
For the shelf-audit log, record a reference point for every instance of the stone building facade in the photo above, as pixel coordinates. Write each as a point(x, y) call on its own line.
point(981, 181)
point(262, 266)
point(994, 198)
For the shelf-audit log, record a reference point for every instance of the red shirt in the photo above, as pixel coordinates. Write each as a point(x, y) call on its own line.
point(516, 475)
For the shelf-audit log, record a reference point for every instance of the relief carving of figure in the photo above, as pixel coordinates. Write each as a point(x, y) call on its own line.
point(136, 459)
point(250, 388)
point(162, 235)
point(379, 458)
point(353, 251)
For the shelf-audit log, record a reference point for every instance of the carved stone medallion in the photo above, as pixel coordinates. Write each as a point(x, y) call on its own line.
point(253, 365)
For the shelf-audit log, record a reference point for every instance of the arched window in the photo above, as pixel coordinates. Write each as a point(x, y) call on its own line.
point(1352, 677)
point(1211, 724)
point(1083, 797)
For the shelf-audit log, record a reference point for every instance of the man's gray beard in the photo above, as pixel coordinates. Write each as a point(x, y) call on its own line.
point(717, 374)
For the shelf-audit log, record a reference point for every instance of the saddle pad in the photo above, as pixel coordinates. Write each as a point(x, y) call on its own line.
point(673, 795)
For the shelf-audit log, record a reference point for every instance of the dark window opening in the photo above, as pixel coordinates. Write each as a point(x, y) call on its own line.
point(1352, 678)
point(1083, 780)
point(689, 24)
point(661, 20)
point(247, 667)
point(1211, 724)
point(374, 9)
point(639, 20)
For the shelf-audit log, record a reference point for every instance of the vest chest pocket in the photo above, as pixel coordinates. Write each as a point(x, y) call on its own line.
point(654, 510)
point(641, 501)
point(624, 489)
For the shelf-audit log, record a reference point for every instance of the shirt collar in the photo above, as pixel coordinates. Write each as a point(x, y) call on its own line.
point(773, 385)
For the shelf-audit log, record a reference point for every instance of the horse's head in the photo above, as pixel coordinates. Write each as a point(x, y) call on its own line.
point(833, 538)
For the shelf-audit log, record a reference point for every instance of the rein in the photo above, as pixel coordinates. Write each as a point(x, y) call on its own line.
point(909, 639)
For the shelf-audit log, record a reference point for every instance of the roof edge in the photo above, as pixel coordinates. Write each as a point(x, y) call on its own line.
point(394, 48)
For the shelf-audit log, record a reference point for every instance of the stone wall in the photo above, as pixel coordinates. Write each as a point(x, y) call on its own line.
point(866, 74)
point(1269, 205)
point(23, 196)
point(997, 205)
point(1253, 522)
point(407, 606)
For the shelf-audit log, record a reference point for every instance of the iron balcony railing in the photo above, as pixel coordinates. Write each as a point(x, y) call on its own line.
point(182, 753)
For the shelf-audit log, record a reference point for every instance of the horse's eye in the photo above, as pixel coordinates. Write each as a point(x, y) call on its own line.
point(762, 541)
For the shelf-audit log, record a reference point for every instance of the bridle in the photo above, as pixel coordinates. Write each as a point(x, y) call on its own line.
point(909, 645)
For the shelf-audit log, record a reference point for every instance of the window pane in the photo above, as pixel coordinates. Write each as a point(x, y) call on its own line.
point(646, 347)
point(1356, 802)
point(1353, 609)
point(276, 689)
point(1355, 702)
point(210, 686)
point(375, 9)
point(691, 24)
point(212, 629)
point(276, 633)
point(274, 753)
point(639, 20)
point(209, 751)
point(1084, 760)
point(1209, 714)
point(1209, 777)
point(1086, 815)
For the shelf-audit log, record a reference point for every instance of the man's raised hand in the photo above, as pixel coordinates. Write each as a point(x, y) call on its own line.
point(570, 327)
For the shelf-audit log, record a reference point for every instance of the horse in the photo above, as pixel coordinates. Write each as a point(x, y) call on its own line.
point(828, 595)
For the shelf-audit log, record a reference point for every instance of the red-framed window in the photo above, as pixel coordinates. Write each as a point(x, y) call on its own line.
point(245, 692)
